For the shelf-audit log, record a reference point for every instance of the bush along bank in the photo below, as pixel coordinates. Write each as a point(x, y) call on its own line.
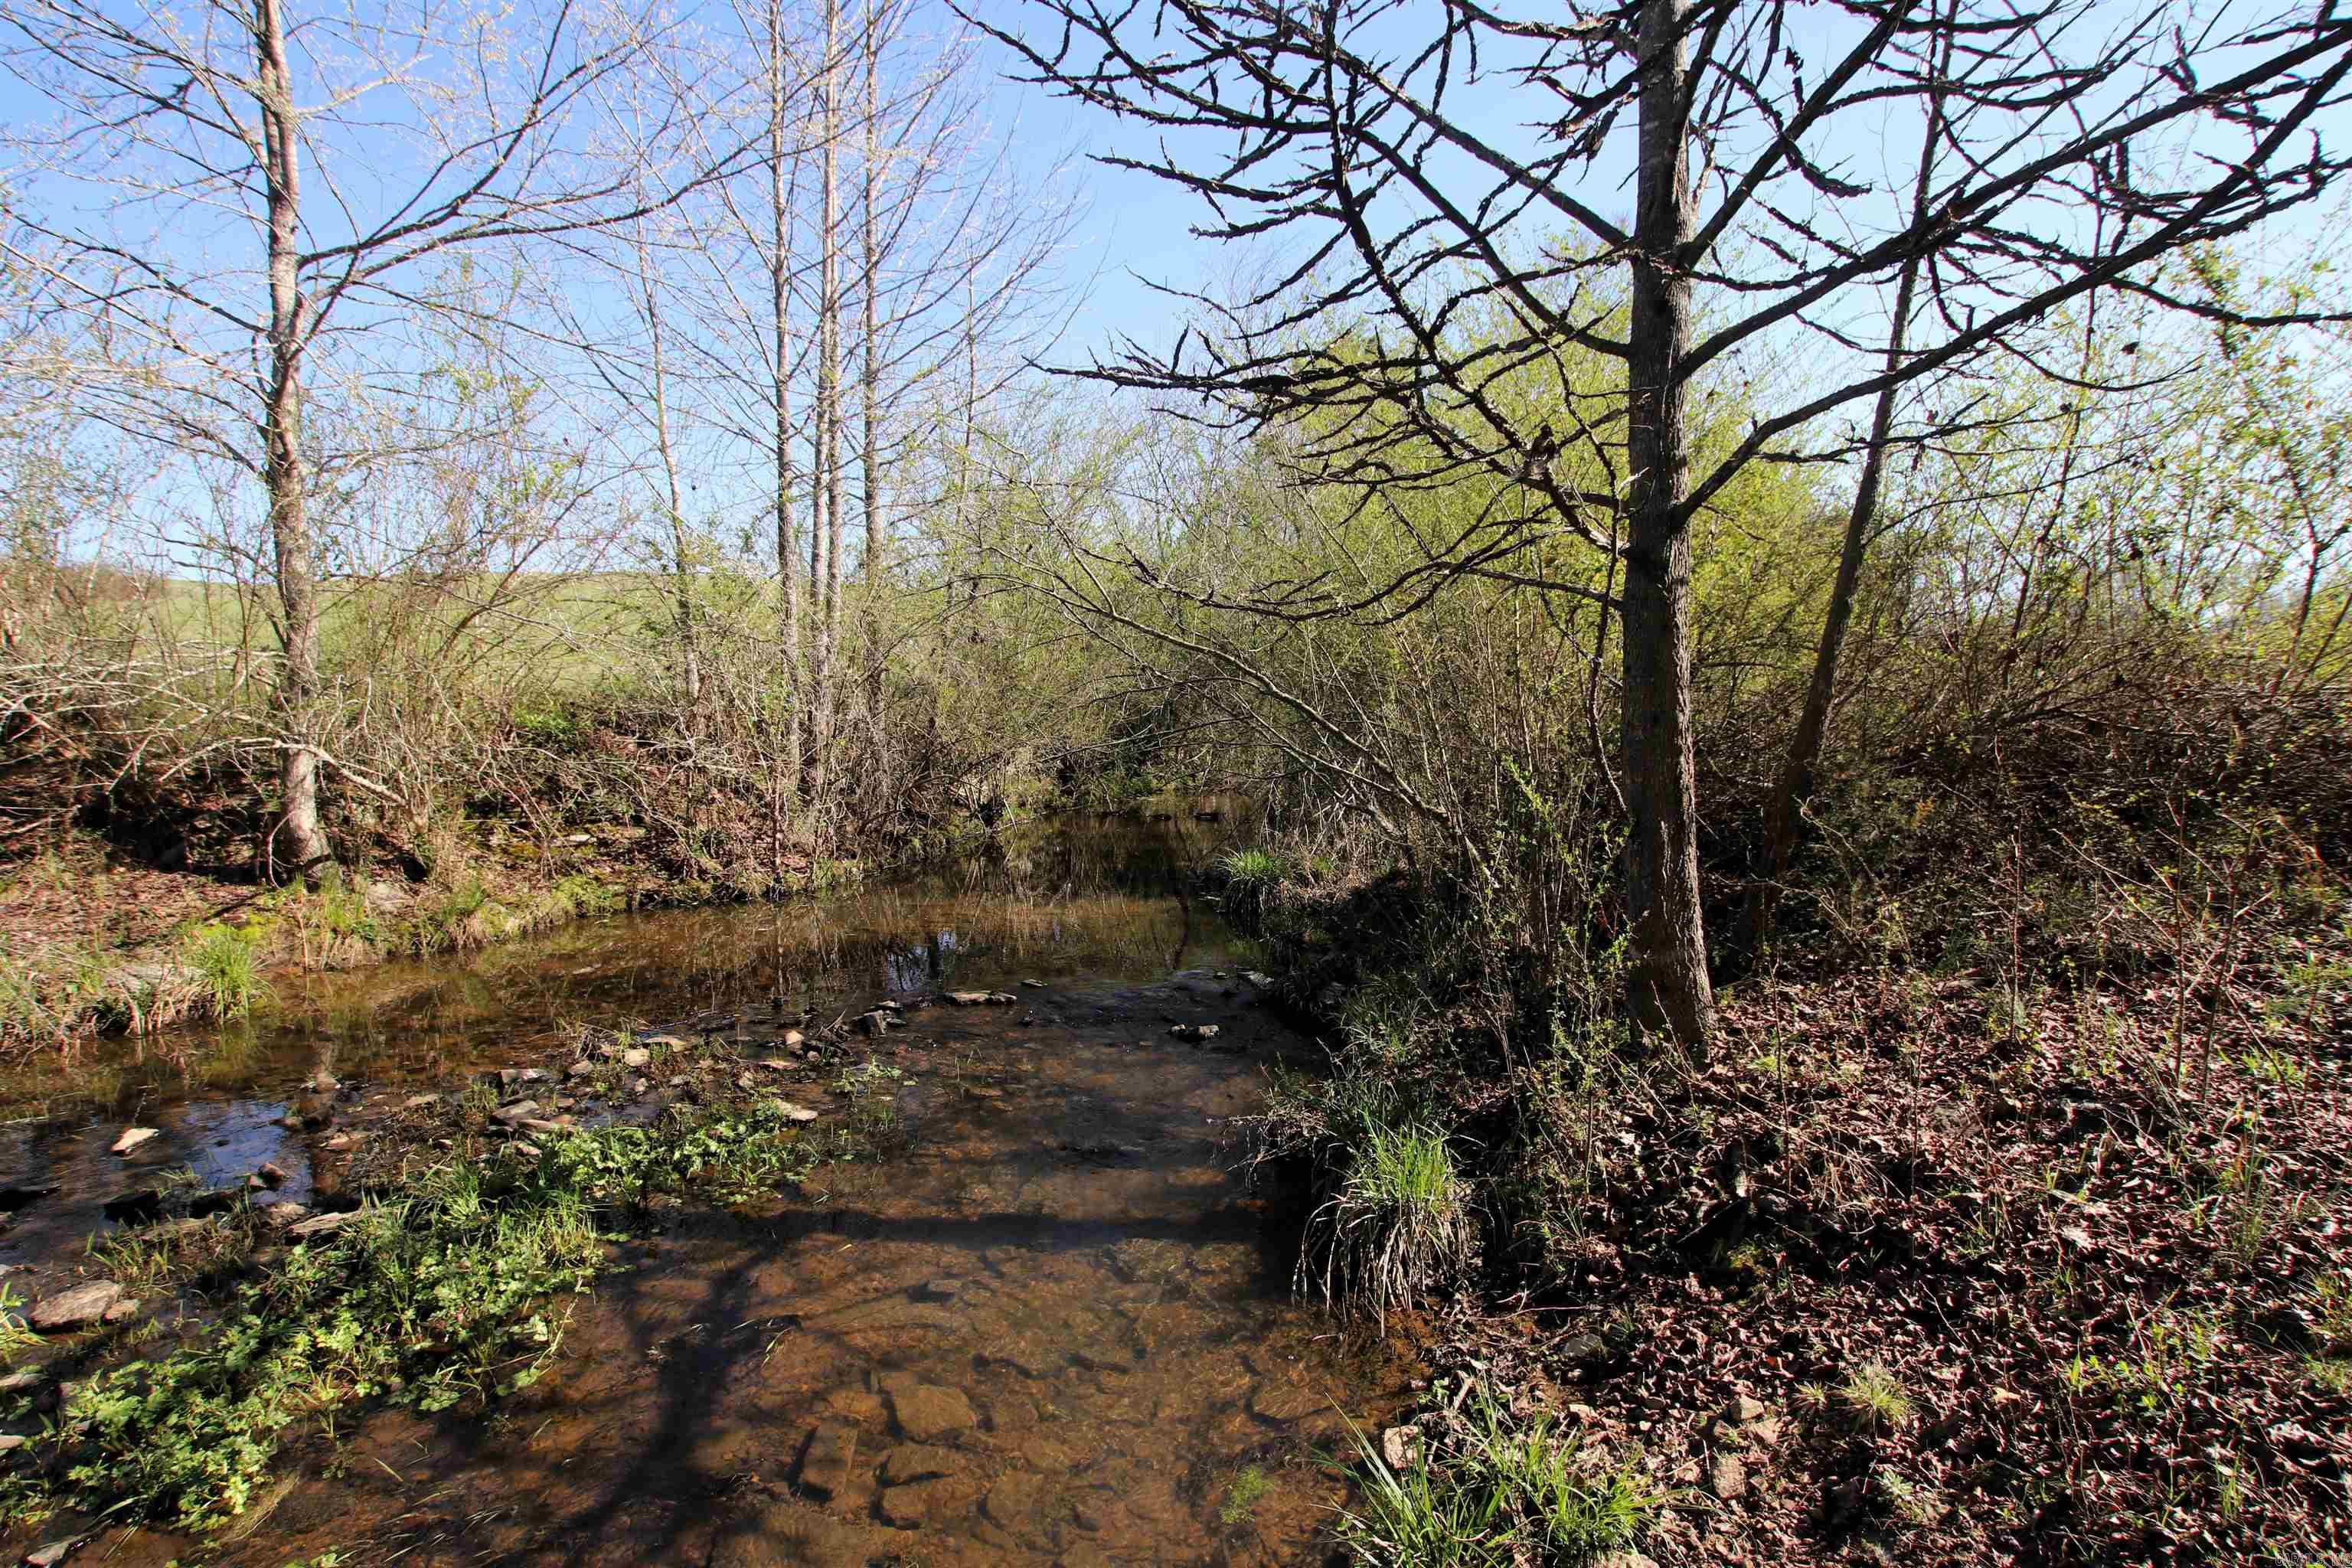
point(475, 1218)
point(2031, 1249)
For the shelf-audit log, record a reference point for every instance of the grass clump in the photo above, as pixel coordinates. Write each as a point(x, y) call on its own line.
point(1250, 878)
point(1873, 1400)
point(227, 964)
point(1398, 1225)
point(1498, 1492)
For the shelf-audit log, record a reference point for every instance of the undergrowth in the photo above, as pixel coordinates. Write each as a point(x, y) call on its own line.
point(452, 1295)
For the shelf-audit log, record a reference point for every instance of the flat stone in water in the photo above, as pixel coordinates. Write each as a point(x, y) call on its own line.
point(919, 1462)
point(826, 1468)
point(925, 1412)
point(924, 1505)
point(79, 1308)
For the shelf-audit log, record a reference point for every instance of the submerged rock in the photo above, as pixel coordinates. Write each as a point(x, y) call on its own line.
point(925, 1412)
point(142, 1205)
point(917, 1462)
point(918, 1505)
point(826, 1465)
point(131, 1138)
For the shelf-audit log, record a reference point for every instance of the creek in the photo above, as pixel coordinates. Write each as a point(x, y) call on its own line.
point(1053, 1324)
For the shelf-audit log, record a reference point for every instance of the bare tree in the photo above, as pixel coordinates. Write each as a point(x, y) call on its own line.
point(232, 201)
point(2078, 145)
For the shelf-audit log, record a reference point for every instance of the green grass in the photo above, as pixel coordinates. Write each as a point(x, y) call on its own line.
point(227, 962)
point(1874, 1399)
point(1496, 1493)
point(1398, 1225)
point(1251, 876)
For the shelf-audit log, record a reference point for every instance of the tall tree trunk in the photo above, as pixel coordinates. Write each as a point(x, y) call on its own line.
point(874, 564)
point(825, 583)
point(282, 469)
point(780, 300)
point(1784, 815)
point(1667, 986)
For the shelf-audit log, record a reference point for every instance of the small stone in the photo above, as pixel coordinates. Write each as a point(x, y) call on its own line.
point(917, 1462)
point(1034, 984)
point(419, 1101)
point(581, 1069)
point(342, 1142)
point(1194, 1031)
point(131, 1138)
point(1726, 1478)
point(20, 1380)
point(671, 1041)
point(1400, 1447)
point(78, 1308)
point(1015, 1498)
point(917, 1505)
point(322, 1082)
point(825, 1468)
point(279, 1216)
point(1623, 1559)
point(126, 1308)
point(319, 1224)
point(791, 1112)
point(1745, 1409)
point(269, 1174)
point(793, 1038)
point(925, 1411)
point(638, 1086)
point(520, 1111)
point(55, 1553)
point(637, 1056)
point(10, 1442)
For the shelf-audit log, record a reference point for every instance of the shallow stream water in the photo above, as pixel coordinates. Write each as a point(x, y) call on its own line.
point(1056, 1328)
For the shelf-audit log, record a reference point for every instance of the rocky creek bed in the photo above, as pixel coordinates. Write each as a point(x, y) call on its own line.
point(1016, 1306)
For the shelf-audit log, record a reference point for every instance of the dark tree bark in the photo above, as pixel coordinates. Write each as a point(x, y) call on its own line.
point(1668, 988)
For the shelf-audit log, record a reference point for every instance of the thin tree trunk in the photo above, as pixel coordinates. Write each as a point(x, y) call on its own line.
point(875, 564)
point(1666, 983)
point(681, 551)
point(824, 585)
point(1784, 816)
point(780, 299)
point(1795, 786)
point(282, 469)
